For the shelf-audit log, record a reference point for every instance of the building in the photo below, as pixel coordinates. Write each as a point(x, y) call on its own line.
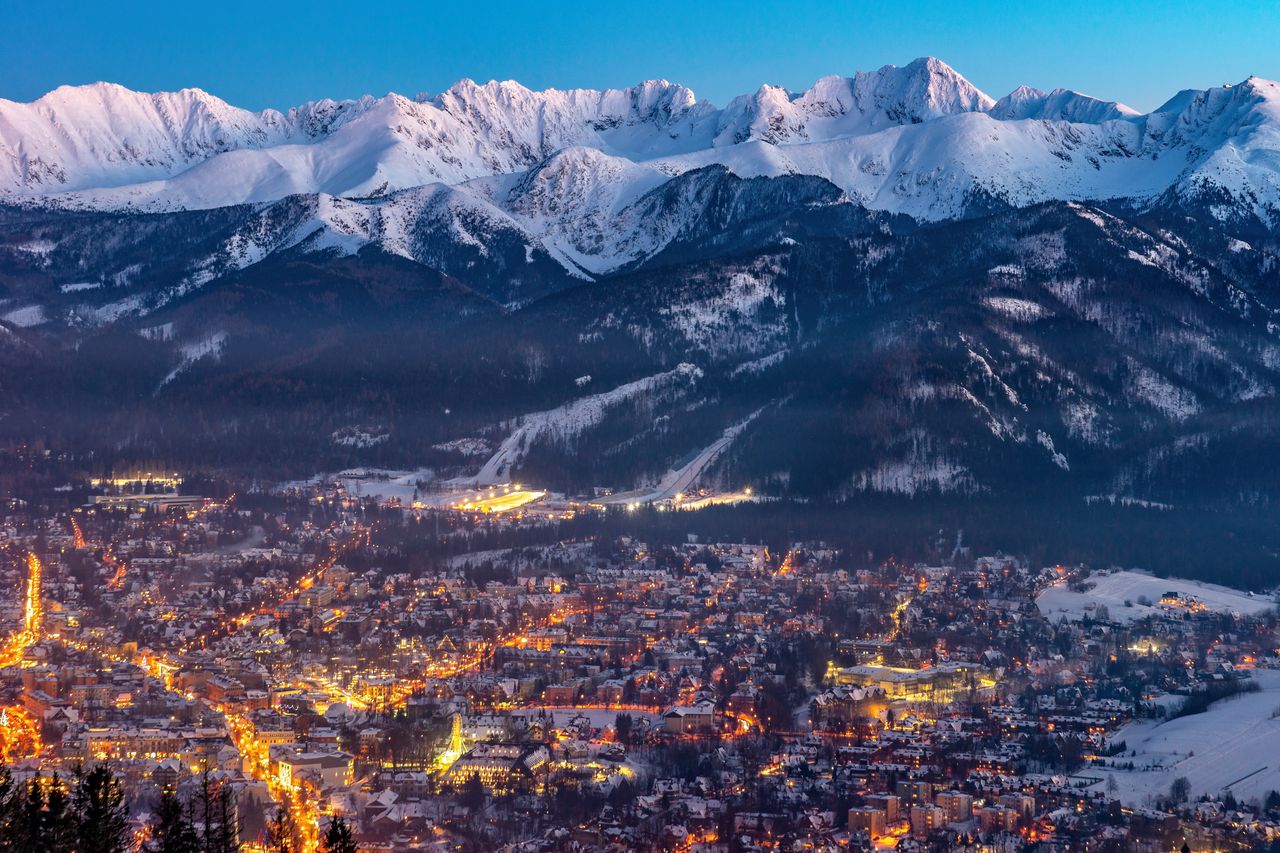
point(890, 804)
point(957, 805)
point(159, 503)
point(925, 820)
point(500, 766)
point(681, 719)
point(868, 820)
point(325, 770)
point(997, 819)
point(915, 793)
point(942, 683)
point(1023, 805)
point(845, 704)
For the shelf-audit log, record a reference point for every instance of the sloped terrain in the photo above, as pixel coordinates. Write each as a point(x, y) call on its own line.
point(890, 290)
point(1059, 347)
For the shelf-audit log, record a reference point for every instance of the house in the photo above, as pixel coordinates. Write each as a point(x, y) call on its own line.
point(325, 769)
point(681, 719)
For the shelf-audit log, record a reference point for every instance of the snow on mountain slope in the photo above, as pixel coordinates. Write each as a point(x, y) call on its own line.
point(835, 107)
point(77, 137)
point(572, 418)
point(104, 136)
point(572, 202)
point(1058, 105)
point(1222, 144)
point(1231, 138)
point(938, 170)
point(917, 139)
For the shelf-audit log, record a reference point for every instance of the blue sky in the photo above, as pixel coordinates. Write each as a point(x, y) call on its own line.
point(260, 54)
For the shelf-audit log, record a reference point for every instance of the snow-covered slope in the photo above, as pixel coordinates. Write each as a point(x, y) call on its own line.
point(563, 165)
point(189, 149)
point(836, 107)
point(1058, 105)
point(572, 418)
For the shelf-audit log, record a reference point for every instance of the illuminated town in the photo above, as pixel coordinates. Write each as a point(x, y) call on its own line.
point(480, 671)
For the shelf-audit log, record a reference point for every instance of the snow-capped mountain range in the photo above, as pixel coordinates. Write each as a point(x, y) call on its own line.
point(571, 170)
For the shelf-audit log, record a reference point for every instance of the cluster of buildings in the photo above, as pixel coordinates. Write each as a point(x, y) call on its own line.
point(333, 656)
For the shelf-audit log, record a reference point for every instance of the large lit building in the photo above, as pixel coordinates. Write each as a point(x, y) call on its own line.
point(690, 718)
point(499, 766)
point(324, 769)
point(868, 820)
point(942, 683)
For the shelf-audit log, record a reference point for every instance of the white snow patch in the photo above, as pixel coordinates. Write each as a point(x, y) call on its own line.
point(914, 475)
point(573, 418)
point(1158, 392)
point(359, 437)
point(466, 446)
point(383, 485)
point(112, 311)
point(26, 317)
point(718, 323)
point(209, 346)
point(1126, 500)
point(758, 365)
point(1084, 422)
point(1114, 589)
point(682, 479)
point(920, 467)
point(1007, 271)
point(1022, 310)
point(1230, 747)
point(1046, 441)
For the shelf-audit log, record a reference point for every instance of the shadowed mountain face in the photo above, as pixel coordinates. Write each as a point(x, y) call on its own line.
point(1099, 354)
point(847, 301)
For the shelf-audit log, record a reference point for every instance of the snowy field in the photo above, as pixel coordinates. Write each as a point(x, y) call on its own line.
point(383, 485)
point(1235, 746)
point(1116, 588)
point(377, 483)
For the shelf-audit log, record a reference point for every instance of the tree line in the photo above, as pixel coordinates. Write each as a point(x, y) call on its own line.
point(87, 812)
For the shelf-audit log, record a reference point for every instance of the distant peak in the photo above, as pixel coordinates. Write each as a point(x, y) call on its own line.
point(928, 88)
point(1023, 93)
point(932, 64)
point(1061, 104)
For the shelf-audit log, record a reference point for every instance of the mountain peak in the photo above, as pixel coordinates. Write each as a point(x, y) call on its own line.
point(1061, 104)
point(924, 89)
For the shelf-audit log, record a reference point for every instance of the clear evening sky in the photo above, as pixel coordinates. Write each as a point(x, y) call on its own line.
point(277, 54)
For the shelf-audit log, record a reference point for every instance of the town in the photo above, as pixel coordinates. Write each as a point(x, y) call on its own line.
point(463, 674)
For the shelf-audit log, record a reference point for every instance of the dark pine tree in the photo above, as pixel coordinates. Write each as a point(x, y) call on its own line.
point(472, 794)
point(12, 812)
point(9, 799)
point(171, 829)
point(28, 818)
point(338, 837)
point(101, 815)
point(60, 823)
point(227, 838)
